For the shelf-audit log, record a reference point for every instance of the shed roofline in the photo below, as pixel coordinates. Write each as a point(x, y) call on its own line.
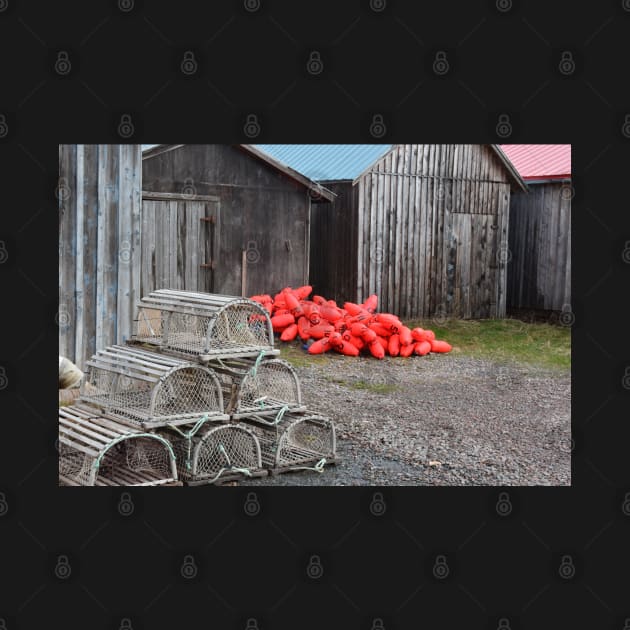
point(514, 174)
point(315, 187)
point(509, 166)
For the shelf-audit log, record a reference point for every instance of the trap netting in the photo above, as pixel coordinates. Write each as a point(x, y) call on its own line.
point(151, 390)
point(216, 454)
point(295, 441)
point(263, 386)
point(202, 325)
point(95, 450)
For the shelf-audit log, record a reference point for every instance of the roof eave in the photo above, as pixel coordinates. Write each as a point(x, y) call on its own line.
point(315, 187)
point(515, 175)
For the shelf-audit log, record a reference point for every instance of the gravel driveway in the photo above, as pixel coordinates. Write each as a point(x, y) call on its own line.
point(439, 420)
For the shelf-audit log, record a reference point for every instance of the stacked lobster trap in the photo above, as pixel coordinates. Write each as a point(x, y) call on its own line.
point(197, 396)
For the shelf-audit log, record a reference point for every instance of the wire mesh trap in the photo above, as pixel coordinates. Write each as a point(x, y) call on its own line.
point(216, 455)
point(150, 390)
point(263, 386)
point(95, 450)
point(292, 441)
point(202, 325)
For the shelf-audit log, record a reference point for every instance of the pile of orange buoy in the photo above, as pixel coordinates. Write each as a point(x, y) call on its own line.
point(349, 329)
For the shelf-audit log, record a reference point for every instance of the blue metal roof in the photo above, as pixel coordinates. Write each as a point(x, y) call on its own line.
point(326, 161)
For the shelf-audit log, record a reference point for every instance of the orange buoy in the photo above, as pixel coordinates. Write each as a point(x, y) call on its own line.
point(320, 346)
point(280, 322)
point(429, 335)
point(371, 303)
point(405, 337)
point(332, 314)
point(340, 325)
point(319, 300)
point(386, 319)
point(440, 346)
point(314, 315)
point(357, 342)
point(422, 348)
point(393, 346)
point(363, 316)
point(303, 292)
point(384, 342)
point(418, 334)
point(290, 300)
point(335, 339)
point(303, 328)
point(352, 308)
point(379, 329)
point(407, 351)
point(321, 330)
point(289, 333)
point(281, 311)
point(376, 349)
point(348, 349)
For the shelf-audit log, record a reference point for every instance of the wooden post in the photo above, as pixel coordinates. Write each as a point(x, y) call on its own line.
point(244, 273)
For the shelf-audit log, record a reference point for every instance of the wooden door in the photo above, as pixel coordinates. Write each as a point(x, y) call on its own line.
point(179, 242)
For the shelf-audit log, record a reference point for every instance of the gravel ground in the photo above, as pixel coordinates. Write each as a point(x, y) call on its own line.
point(439, 420)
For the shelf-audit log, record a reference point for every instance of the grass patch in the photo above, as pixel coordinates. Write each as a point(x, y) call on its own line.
point(295, 354)
point(377, 388)
point(544, 345)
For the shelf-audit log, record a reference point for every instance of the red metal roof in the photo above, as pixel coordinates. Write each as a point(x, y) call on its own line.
point(540, 161)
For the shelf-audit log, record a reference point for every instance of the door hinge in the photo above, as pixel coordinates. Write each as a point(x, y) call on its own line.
point(211, 219)
point(211, 265)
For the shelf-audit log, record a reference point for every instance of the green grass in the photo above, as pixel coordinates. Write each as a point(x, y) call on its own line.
point(501, 340)
point(543, 345)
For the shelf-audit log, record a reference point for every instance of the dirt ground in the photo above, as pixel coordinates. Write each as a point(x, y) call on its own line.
point(438, 420)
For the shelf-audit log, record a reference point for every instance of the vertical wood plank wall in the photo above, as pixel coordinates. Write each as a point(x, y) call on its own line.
point(539, 273)
point(433, 231)
point(99, 246)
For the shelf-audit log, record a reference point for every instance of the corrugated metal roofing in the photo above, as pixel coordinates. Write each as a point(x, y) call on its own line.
point(540, 161)
point(322, 162)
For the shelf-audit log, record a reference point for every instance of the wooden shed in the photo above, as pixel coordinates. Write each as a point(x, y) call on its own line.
point(225, 219)
point(539, 272)
point(99, 246)
point(425, 227)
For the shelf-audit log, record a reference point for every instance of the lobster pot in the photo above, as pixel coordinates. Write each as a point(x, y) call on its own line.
point(264, 387)
point(202, 325)
point(151, 390)
point(95, 450)
point(295, 441)
point(222, 453)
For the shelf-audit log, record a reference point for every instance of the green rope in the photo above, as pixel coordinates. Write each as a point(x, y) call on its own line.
point(188, 436)
point(319, 467)
point(277, 419)
point(222, 450)
point(254, 367)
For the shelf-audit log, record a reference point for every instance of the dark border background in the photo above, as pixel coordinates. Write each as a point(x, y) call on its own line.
point(503, 58)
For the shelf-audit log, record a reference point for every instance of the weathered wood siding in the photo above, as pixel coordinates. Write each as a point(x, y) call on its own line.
point(99, 246)
point(261, 210)
point(433, 229)
point(334, 241)
point(539, 272)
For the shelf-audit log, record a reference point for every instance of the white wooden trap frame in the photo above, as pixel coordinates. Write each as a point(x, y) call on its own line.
point(150, 390)
point(215, 455)
point(262, 386)
point(295, 441)
point(96, 450)
point(202, 325)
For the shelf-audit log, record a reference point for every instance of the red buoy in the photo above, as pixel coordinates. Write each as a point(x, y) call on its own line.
point(440, 346)
point(422, 348)
point(418, 334)
point(407, 351)
point(371, 303)
point(352, 308)
point(405, 337)
point(379, 329)
point(280, 322)
point(320, 346)
point(303, 292)
point(321, 330)
point(429, 335)
point(289, 333)
point(376, 349)
point(303, 328)
point(393, 346)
